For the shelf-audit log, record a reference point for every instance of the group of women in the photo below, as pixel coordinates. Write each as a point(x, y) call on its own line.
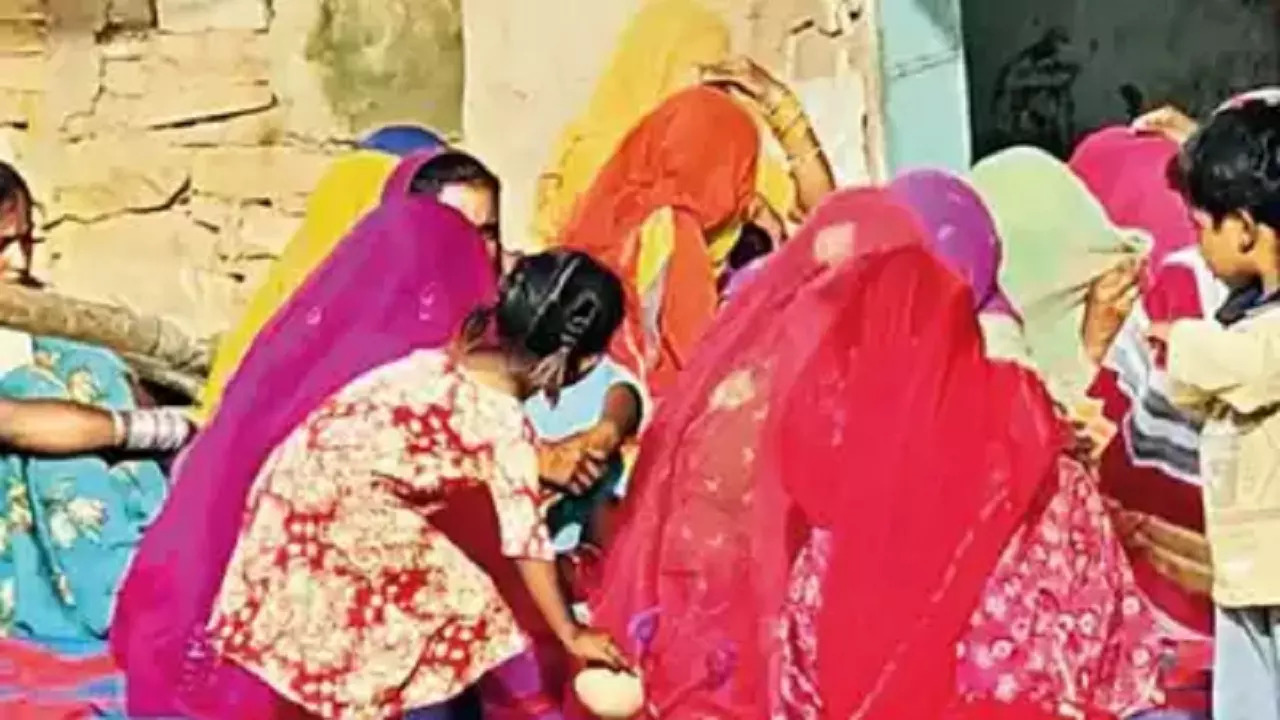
point(769, 448)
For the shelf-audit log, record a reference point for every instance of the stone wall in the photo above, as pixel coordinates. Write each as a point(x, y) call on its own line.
point(171, 143)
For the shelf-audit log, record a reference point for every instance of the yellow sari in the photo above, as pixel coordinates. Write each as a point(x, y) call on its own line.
point(350, 188)
point(657, 55)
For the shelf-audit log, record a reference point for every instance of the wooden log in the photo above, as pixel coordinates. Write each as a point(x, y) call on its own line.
point(157, 349)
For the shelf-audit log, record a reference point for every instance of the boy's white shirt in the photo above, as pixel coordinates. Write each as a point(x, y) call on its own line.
point(1231, 376)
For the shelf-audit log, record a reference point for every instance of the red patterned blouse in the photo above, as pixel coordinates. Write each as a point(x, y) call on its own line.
point(341, 593)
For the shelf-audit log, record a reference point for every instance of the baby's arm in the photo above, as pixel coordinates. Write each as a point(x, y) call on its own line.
point(1240, 367)
point(622, 409)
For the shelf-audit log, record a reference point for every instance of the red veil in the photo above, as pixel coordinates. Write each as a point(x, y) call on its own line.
point(844, 388)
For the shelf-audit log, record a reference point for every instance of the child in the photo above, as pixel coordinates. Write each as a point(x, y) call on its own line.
point(1229, 372)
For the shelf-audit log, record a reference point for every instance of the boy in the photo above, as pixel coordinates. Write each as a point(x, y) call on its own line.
point(1228, 371)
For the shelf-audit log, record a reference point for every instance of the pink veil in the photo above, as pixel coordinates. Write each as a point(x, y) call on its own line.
point(404, 278)
point(762, 437)
point(1126, 171)
point(401, 177)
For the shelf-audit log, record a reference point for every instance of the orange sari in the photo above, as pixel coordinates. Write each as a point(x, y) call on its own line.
point(687, 169)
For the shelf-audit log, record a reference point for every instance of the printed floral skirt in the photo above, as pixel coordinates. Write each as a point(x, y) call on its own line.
point(1061, 625)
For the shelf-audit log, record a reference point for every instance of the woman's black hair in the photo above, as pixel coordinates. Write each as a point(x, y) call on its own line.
point(12, 184)
point(452, 167)
point(753, 242)
point(559, 301)
point(1232, 164)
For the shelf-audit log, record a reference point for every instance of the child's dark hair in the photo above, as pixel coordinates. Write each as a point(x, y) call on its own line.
point(557, 300)
point(452, 167)
point(559, 306)
point(12, 185)
point(1232, 164)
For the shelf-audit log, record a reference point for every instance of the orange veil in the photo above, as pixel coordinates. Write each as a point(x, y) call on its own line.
point(688, 168)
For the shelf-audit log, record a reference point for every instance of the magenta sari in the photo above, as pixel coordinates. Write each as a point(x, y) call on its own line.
point(404, 278)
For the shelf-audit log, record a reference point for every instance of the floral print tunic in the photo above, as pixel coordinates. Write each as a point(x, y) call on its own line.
point(341, 593)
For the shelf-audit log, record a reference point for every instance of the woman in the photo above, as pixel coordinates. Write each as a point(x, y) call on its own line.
point(431, 269)
point(661, 52)
point(1082, 610)
point(66, 677)
point(379, 611)
point(71, 513)
point(353, 185)
point(738, 465)
point(1058, 244)
point(1109, 669)
point(682, 178)
point(1152, 466)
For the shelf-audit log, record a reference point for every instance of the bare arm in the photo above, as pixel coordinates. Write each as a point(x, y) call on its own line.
point(593, 646)
point(544, 586)
point(622, 410)
point(810, 169)
point(787, 121)
point(1169, 122)
point(55, 427)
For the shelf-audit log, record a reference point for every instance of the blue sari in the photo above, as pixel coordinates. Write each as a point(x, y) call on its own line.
point(69, 526)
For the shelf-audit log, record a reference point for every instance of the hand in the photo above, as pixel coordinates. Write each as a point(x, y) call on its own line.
point(1108, 303)
point(597, 647)
point(1169, 122)
point(1158, 342)
point(1159, 332)
point(575, 464)
point(1081, 444)
point(743, 75)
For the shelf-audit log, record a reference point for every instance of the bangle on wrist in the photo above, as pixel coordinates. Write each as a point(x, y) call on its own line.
point(155, 430)
point(804, 156)
point(784, 115)
point(119, 429)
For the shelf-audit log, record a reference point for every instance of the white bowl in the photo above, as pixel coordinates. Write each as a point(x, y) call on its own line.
point(608, 694)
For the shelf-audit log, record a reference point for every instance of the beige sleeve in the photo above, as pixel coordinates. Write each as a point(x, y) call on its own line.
point(1239, 366)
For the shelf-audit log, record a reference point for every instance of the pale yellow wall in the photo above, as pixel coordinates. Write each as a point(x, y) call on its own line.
point(171, 143)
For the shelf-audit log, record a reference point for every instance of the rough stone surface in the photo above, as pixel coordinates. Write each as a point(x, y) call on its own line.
point(131, 14)
point(171, 143)
point(268, 173)
point(22, 72)
point(104, 178)
point(168, 268)
point(193, 16)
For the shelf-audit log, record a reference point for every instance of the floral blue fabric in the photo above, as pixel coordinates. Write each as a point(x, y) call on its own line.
point(69, 526)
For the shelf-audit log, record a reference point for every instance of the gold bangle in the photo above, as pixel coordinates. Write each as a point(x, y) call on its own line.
point(806, 156)
point(798, 122)
point(788, 105)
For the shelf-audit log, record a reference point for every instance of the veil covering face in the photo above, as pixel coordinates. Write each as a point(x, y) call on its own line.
point(1057, 241)
point(845, 387)
point(403, 279)
point(685, 171)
